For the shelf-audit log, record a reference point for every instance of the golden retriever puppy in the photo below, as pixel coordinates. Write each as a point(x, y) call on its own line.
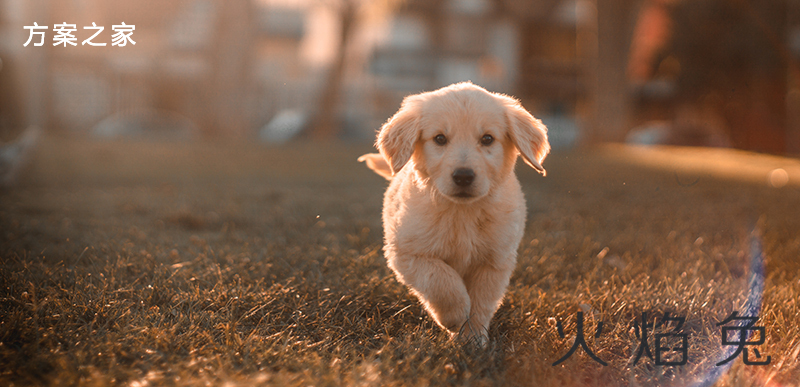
point(454, 213)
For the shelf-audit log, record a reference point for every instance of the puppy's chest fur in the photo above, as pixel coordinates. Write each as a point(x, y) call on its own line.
point(468, 240)
point(462, 235)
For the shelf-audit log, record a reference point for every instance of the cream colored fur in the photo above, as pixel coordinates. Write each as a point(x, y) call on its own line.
point(455, 247)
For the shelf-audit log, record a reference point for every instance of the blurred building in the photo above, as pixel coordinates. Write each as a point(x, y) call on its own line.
point(523, 48)
point(590, 69)
point(223, 67)
point(701, 73)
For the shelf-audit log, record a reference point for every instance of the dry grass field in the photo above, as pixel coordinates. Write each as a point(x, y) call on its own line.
point(147, 264)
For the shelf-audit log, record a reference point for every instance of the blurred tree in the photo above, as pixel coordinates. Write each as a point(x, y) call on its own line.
point(729, 49)
point(727, 59)
point(326, 121)
point(609, 89)
point(11, 105)
point(231, 57)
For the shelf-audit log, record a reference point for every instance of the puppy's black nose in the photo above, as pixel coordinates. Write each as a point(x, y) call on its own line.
point(463, 177)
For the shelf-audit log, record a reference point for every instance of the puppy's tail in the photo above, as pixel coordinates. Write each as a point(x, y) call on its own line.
point(377, 163)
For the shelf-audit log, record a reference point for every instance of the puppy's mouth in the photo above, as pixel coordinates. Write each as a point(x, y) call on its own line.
point(466, 196)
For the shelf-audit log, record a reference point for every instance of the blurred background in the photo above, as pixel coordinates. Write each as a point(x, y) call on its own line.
point(721, 73)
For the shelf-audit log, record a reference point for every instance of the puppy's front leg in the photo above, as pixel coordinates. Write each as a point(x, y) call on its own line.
point(438, 286)
point(486, 285)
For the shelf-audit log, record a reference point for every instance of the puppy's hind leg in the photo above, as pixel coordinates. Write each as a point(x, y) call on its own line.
point(438, 286)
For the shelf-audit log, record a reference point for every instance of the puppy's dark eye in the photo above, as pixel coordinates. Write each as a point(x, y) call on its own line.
point(487, 139)
point(440, 139)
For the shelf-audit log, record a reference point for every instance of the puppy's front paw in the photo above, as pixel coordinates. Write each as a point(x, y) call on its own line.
point(452, 316)
point(472, 332)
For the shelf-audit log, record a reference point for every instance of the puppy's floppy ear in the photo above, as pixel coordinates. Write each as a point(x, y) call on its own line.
point(528, 134)
point(398, 136)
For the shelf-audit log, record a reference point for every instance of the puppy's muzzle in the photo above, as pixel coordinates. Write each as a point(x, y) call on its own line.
point(463, 177)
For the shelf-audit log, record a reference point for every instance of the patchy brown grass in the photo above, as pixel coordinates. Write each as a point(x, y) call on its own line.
point(184, 264)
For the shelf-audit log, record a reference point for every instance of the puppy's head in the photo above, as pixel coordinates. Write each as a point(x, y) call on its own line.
point(462, 139)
